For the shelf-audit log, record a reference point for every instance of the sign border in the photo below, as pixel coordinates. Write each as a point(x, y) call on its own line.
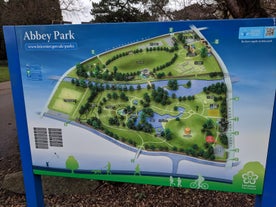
point(268, 199)
point(33, 183)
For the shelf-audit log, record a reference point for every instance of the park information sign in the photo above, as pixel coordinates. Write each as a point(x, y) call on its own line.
point(183, 104)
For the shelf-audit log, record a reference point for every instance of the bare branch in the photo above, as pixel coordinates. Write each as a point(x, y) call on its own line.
point(71, 5)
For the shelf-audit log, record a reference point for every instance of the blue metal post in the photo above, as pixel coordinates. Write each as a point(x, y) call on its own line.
point(32, 182)
point(268, 198)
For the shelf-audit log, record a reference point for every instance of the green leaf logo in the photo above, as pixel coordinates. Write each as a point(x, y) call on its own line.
point(250, 178)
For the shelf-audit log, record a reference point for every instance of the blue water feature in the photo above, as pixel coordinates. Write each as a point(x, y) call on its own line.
point(157, 119)
point(196, 86)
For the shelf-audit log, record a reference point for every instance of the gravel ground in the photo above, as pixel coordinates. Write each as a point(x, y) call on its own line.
point(107, 193)
point(124, 194)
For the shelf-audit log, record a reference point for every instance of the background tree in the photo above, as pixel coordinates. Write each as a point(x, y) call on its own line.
point(198, 11)
point(24, 12)
point(14, 12)
point(224, 9)
point(147, 10)
point(119, 11)
point(245, 8)
point(130, 10)
point(74, 9)
point(158, 9)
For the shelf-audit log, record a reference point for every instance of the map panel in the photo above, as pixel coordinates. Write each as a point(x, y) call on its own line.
point(183, 104)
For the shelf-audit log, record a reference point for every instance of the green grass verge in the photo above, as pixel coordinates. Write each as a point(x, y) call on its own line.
point(4, 73)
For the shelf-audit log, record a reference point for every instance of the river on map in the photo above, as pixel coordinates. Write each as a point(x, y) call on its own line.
point(196, 86)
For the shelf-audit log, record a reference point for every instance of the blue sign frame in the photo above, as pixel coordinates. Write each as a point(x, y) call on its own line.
point(32, 182)
point(268, 199)
point(33, 185)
